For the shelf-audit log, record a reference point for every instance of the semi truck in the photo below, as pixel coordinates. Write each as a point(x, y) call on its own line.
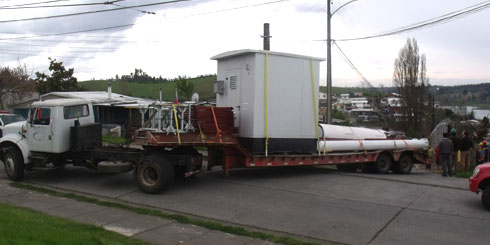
point(265, 116)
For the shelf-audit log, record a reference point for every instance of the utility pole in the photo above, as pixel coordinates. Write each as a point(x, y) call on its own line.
point(329, 66)
point(267, 37)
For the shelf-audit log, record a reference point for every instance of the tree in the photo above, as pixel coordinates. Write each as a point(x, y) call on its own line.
point(411, 82)
point(14, 85)
point(60, 79)
point(184, 87)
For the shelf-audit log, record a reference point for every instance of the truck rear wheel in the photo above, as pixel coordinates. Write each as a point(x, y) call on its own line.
point(154, 174)
point(404, 166)
point(485, 198)
point(14, 164)
point(383, 164)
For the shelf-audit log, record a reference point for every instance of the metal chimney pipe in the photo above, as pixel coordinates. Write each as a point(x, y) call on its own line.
point(267, 44)
point(109, 90)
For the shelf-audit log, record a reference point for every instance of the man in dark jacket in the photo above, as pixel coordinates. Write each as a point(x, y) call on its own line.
point(456, 142)
point(445, 150)
point(466, 147)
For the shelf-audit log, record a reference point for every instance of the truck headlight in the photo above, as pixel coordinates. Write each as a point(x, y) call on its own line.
point(475, 172)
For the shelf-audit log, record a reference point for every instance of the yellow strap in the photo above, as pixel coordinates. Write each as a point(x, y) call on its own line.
point(266, 103)
point(314, 102)
point(176, 122)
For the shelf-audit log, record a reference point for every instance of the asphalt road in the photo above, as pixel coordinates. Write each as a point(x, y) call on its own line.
point(318, 203)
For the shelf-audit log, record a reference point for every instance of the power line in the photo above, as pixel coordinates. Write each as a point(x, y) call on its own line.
point(132, 24)
point(349, 62)
point(40, 51)
point(91, 12)
point(135, 9)
point(427, 23)
point(30, 54)
point(29, 4)
point(88, 49)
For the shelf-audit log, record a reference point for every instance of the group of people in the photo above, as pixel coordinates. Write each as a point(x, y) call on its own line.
point(448, 150)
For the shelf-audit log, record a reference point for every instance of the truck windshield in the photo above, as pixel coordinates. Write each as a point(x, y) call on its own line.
point(8, 119)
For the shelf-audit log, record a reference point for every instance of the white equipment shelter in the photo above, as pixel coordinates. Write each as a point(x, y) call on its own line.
point(274, 97)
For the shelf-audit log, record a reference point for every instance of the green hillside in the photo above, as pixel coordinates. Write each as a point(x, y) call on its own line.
point(203, 85)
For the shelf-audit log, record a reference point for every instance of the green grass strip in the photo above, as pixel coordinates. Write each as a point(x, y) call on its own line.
point(177, 217)
point(24, 226)
point(114, 140)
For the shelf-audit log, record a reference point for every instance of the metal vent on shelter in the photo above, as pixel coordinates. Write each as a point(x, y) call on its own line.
point(233, 82)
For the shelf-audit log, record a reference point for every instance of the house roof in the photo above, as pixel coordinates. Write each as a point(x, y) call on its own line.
point(102, 98)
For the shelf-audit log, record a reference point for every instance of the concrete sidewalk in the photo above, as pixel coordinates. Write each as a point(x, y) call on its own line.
point(144, 227)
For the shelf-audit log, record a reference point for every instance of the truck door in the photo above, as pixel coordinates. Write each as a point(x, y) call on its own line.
point(39, 130)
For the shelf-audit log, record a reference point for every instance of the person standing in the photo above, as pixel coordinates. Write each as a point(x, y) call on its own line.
point(456, 142)
point(445, 150)
point(466, 147)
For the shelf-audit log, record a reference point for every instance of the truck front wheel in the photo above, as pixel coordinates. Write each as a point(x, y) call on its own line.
point(14, 164)
point(485, 198)
point(154, 175)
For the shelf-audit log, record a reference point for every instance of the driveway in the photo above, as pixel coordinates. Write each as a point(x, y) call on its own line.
point(309, 202)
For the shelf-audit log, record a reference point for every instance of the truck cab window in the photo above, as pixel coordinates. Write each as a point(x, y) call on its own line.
point(40, 116)
point(76, 111)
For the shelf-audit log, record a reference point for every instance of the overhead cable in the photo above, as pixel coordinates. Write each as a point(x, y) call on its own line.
point(91, 12)
point(427, 23)
point(132, 24)
point(29, 4)
point(349, 62)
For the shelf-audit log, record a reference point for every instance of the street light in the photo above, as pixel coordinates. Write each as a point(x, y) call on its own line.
point(329, 59)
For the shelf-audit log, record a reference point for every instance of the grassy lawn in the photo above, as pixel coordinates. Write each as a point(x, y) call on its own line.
point(23, 226)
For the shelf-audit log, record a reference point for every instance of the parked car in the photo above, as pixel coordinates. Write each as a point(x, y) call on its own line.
point(7, 118)
point(480, 182)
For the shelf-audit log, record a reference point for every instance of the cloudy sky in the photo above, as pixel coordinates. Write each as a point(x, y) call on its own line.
point(181, 36)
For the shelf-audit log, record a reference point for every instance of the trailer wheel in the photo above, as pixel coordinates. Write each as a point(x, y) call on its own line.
point(485, 198)
point(383, 164)
point(14, 164)
point(154, 174)
point(350, 168)
point(404, 166)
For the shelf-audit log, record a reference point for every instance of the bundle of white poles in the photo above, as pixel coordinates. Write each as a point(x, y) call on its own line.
point(336, 138)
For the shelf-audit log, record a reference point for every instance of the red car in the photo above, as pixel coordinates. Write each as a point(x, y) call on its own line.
point(480, 181)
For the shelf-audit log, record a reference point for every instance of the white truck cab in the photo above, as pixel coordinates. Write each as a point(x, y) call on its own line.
point(45, 136)
point(49, 122)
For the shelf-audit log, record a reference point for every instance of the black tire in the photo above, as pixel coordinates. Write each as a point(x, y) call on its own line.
point(14, 164)
point(383, 164)
point(154, 174)
point(404, 166)
point(485, 198)
point(349, 168)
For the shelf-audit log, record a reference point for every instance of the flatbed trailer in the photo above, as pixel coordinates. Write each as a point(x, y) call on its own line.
point(226, 150)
